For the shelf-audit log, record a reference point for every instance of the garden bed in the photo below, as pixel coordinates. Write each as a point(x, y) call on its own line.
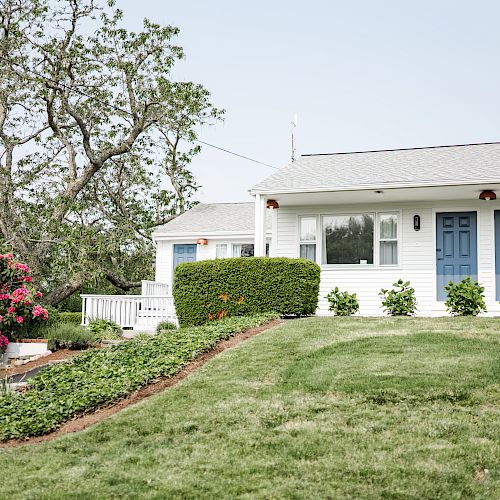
point(97, 379)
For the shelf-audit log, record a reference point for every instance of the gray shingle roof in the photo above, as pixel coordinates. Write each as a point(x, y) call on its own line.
point(453, 165)
point(208, 218)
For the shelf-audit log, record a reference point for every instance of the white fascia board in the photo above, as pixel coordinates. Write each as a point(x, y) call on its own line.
point(199, 234)
point(368, 187)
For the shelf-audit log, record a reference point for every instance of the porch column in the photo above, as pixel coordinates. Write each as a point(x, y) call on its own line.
point(260, 226)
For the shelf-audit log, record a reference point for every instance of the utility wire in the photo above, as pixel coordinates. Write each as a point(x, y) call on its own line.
point(121, 110)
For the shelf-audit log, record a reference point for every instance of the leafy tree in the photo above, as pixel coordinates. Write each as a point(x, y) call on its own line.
point(91, 125)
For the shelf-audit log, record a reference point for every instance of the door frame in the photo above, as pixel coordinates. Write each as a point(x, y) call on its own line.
point(173, 254)
point(448, 209)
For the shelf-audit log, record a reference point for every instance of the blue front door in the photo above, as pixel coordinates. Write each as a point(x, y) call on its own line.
point(456, 248)
point(184, 253)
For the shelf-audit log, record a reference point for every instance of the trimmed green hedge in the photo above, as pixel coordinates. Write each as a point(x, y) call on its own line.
point(212, 289)
point(73, 318)
point(97, 378)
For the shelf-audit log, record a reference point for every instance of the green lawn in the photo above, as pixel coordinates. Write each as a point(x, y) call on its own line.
point(315, 408)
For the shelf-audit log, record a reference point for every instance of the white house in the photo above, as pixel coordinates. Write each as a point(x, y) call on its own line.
point(207, 231)
point(427, 215)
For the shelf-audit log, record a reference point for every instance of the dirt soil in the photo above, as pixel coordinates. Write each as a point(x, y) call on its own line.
point(55, 356)
point(83, 421)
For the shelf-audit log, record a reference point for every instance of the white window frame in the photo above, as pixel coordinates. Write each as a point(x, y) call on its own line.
point(397, 239)
point(309, 242)
point(376, 239)
point(218, 245)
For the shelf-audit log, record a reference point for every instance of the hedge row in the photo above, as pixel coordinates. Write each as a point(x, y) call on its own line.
point(97, 378)
point(73, 318)
point(212, 289)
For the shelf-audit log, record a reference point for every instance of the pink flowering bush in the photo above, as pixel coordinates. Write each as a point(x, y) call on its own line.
point(19, 302)
point(4, 342)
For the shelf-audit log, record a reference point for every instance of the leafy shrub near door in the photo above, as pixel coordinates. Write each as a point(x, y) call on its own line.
point(401, 300)
point(465, 298)
point(343, 303)
point(212, 289)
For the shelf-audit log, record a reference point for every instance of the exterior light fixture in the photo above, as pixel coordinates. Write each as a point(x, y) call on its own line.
point(416, 222)
point(378, 192)
point(488, 195)
point(202, 241)
point(272, 204)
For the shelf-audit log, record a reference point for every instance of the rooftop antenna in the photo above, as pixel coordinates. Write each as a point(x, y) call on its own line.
point(294, 126)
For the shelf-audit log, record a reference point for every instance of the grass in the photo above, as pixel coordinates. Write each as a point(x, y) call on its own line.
point(316, 408)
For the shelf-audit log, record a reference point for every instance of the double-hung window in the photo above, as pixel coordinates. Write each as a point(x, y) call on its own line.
point(221, 251)
point(388, 239)
point(307, 229)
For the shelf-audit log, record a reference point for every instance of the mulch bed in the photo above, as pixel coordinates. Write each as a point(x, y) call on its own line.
point(81, 422)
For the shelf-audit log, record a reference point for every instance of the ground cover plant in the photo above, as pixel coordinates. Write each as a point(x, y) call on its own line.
point(316, 408)
point(213, 289)
point(105, 329)
point(465, 298)
point(98, 377)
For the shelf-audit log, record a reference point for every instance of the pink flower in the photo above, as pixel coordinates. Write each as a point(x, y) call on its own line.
point(11, 310)
point(1, 319)
point(39, 295)
point(19, 319)
point(27, 279)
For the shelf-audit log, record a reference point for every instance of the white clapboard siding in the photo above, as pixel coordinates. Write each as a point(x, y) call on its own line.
point(417, 253)
point(129, 311)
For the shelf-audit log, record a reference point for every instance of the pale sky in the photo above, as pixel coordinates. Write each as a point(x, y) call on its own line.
point(361, 75)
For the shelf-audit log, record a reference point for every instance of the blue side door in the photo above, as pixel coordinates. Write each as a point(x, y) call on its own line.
point(184, 253)
point(456, 248)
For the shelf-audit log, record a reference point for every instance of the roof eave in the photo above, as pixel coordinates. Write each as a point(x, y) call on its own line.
point(368, 187)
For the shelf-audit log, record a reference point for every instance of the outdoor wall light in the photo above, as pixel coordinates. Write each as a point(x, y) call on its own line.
point(488, 195)
point(416, 222)
point(272, 204)
point(202, 241)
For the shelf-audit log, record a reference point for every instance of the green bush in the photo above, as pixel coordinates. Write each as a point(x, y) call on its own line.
point(465, 298)
point(213, 289)
point(73, 318)
point(343, 303)
point(401, 300)
point(165, 325)
point(105, 329)
point(99, 377)
point(68, 336)
point(40, 330)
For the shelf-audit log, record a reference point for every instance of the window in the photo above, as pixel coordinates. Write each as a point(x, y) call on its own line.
point(348, 239)
point(307, 229)
point(243, 250)
point(221, 251)
point(388, 224)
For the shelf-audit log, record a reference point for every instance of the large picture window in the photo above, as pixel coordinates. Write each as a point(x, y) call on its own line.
point(348, 239)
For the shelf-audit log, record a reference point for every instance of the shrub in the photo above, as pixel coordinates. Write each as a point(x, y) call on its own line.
point(165, 325)
point(68, 336)
point(73, 318)
point(401, 300)
point(343, 303)
point(19, 303)
point(212, 289)
point(465, 298)
point(99, 377)
point(105, 329)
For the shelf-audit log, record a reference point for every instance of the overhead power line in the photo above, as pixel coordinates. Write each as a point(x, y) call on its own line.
point(121, 110)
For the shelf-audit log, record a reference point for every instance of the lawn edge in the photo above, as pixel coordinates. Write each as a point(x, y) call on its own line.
point(82, 422)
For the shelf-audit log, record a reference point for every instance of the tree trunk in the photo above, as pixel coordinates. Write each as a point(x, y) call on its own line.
point(62, 292)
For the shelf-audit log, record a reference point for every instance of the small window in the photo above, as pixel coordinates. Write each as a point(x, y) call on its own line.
point(221, 251)
point(307, 235)
point(388, 224)
point(243, 250)
point(348, 239)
